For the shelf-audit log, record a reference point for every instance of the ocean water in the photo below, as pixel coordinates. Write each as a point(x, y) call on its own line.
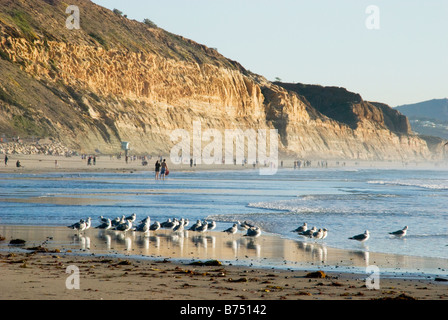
point(346, 201)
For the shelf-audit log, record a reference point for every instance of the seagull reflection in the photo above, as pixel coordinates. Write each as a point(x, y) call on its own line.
point(364, 255)
point(103, 235)
point(199, 241)
point(234, 246)
point(85, 243)
point(316, 251)
point(253, 245)
point(142, 242)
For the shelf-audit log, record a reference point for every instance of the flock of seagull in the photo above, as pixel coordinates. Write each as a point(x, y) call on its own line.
point(322, 233)
point(125, 224)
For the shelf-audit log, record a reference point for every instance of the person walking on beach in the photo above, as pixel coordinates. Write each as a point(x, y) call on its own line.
point(164, 169)
point(6, 160)
point(157, 169)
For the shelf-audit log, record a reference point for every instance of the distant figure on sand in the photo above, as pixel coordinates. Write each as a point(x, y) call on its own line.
point(6, 160)
point(164, 169)
point(18, 165)
point(157, 169)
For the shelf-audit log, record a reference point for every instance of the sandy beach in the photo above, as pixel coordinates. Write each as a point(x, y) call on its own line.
point(45, 163)
point(168, 266)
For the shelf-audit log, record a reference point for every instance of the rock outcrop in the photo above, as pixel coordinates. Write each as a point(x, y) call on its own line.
point(117, 80)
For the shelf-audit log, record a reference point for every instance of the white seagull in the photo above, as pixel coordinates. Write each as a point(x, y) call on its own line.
point(132, 217)
point(400, 233)
point(143, 226)
point(211, 226)
point(302, 228)
point(318, 234)
point(180, 226)
point(253, 232)
point(80, 226)
point(325, 233)
point(232, 230)
point(155, 226)
point(105, 225)
point(196, 225)
point(308, 233)
point(202, 228)
point(125, 226)
point(244, 226)
point(361, 237)
point(88, 223)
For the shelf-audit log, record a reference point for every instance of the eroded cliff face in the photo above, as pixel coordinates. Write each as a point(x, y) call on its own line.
point(92, 96)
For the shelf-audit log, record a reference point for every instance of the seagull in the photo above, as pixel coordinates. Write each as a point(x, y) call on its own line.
point(302, 228)
point(119, 221)
point(196, 225)
point(147, 219)
point(400, 233)
point(202, 228)
point(80, 226)
point(102, 219)
point(308, 233)
point(116, 222)
point(125, 226)
point(169, 224)
point(211, 226)
point(325, 233)
point(253, 232)
point(180, 226)
point(155, 226)
point(88, 223)
point(143, 227)
point(244, 226)
point(105, 225)
point(361, 237)
point(132, 217)
point(232, 230)
point(318, 234)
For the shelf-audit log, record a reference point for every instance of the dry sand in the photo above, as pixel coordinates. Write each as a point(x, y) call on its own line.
point(43, 163)
point(158, 266)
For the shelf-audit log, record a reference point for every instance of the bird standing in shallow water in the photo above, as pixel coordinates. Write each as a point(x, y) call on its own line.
point(400, 233)
point(361, 237)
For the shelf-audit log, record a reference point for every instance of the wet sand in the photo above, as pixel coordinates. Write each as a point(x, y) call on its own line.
point(114, 265)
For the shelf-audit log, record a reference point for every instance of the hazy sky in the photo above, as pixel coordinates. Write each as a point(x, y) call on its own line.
point(322, 42)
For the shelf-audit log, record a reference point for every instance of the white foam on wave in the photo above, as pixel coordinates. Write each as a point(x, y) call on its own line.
point(427, 184)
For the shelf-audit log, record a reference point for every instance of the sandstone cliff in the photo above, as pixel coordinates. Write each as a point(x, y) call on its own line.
point(117, 80)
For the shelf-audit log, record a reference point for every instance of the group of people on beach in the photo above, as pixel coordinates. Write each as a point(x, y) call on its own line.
point(161, 169)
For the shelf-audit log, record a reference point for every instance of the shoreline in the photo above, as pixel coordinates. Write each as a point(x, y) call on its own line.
point(157, 267)
point(34, 164)
point(356, 259)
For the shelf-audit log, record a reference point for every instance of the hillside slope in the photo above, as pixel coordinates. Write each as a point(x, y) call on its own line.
point(117, 80)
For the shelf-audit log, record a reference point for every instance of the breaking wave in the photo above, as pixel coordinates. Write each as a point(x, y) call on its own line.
point(427, 184)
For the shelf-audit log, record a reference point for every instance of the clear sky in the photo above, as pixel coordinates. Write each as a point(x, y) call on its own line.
point(322, 42)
